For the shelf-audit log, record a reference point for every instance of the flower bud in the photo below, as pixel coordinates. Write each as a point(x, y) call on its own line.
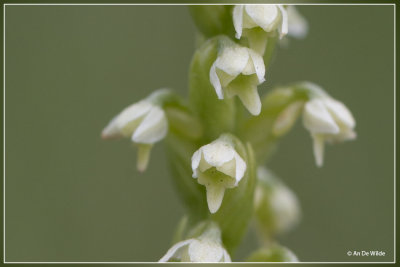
point(276, 206)
point(205, 248)
point(237, 71)
point(327, 120)
point(218, 166)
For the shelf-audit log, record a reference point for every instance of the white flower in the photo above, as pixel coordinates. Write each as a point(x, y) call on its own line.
point(267, 17)
point(205, 248)
point(327, 120)
point(257, 22)
point(217, 166)
point(144, 122)
point(238, 71)
point(298, 26)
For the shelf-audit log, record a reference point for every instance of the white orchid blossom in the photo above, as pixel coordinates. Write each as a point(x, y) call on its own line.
point(267, 17)
point(205, 248)
point(146, 124)
point(237, 71)
point(217, 166)
point(328, 120)
point(254, 21)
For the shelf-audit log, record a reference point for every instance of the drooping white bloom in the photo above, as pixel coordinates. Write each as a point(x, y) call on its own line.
point(257, 22)
point(217, 166)
point(238, 71)
point(205, 248)
point(328, 120)
point(144, 122)
point(298, 26)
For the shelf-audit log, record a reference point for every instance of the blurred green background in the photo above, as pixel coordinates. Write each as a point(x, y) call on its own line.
point(72, 197)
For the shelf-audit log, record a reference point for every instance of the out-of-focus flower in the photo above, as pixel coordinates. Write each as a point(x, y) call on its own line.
point(238, 71)
point(328, 120)
point(276, 206)
point(297, 24)
point(205, 248)
point(217, 166)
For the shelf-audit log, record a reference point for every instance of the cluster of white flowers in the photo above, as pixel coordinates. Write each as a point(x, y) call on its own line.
point(237, 69)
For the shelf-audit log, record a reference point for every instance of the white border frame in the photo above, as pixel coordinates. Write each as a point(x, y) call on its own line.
point(187, 4)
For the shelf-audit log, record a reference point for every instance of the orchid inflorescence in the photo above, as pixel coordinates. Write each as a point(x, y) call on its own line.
point(218, 143)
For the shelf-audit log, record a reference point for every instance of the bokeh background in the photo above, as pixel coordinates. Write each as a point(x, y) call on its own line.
point(72, 197)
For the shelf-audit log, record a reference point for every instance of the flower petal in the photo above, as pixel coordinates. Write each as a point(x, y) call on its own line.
point(216, 83)
point(317, 119)
point(217, 153)
point(195, 162)
point(340, 112)
point(153, 128)
point(240, 168)
point(283, 28)
point(228, 168)
point(205, 251)
point(263, 15)
point(174, 250)
point(238, 20)
point(127, 120)
point(111, 130)
point(226, 258)
point(233, 60)
point(258, 65)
